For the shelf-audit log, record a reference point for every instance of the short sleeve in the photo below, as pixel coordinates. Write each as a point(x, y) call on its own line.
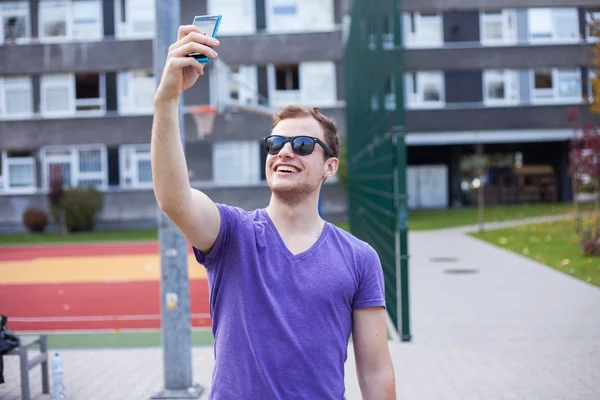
point(230, 217)
point(371, 286)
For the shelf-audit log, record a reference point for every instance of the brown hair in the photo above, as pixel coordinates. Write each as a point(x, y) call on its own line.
point(330, 130)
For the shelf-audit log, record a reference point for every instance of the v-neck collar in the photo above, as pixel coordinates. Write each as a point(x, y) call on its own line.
point(286, 250)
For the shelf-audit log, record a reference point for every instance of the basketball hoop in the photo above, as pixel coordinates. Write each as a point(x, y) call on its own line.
point(204, 119)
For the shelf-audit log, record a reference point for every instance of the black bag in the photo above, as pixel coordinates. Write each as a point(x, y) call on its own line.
point(8, 341)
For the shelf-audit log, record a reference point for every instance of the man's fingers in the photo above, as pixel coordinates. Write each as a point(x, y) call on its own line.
point(180, 63)
point(186, 29)
point(197, 38)
point(193, 47)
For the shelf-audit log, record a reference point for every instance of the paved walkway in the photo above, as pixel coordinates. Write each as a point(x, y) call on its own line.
point(487, 324)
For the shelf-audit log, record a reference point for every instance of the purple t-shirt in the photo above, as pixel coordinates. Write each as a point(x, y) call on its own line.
point(282, 322)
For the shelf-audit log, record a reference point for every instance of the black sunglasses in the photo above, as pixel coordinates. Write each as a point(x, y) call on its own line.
point(301, 145)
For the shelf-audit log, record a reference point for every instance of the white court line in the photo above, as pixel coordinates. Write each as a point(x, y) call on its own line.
point(90, 318)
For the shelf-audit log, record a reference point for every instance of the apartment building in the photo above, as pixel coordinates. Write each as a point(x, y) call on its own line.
point(77, 87)
point(499, 73)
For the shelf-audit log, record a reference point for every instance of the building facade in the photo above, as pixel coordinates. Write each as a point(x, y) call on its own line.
point(499, 74)
point(77, 87)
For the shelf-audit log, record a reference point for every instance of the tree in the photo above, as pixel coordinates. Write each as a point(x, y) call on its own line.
point(56, 197)
point(584, 155)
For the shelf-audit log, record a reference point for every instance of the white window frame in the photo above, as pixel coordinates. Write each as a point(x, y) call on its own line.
point(6, 10)
point(126, 94)
point(26, 85)
point(414, 39)
point(508, 19)
point(136, 152)
point(7, 162)
point(556, 75)
point(46, 82)
point(422, 77)
point(73, 159)
point(68, 22)
point(510, 79)
point(125, 30)
point(241, 20)
point(248, 174)
point(556, 19)
point(299, 16)
point(101, 101)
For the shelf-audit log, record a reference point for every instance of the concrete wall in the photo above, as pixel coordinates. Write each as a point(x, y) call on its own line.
point(137, 208)
point(475, 56)
point(441, 5)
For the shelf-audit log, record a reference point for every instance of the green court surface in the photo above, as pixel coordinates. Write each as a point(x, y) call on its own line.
point(125, 339)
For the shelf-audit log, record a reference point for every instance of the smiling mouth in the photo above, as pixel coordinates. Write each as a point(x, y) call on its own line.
point(287, 169)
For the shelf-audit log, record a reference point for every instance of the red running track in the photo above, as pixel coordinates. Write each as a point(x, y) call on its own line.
point(86, 306)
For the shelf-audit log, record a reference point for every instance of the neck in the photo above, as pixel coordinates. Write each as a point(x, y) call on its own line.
point(302, 217)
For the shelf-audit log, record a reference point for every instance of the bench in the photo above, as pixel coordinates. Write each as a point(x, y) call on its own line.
point(27, 364)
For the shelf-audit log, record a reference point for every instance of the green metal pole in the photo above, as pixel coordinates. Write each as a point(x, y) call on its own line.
point(399, 132)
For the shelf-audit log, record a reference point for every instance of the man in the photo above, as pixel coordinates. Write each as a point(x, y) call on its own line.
point(286, 287)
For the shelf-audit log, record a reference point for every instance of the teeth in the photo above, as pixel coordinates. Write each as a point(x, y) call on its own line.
point(286, 168)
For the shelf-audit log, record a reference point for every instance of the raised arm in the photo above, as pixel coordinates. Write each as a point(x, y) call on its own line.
point(194, 213)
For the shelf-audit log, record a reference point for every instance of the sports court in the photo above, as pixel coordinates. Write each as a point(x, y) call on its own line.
point(74, 287)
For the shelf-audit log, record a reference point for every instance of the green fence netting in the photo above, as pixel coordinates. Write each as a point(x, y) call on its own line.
point(376, 151)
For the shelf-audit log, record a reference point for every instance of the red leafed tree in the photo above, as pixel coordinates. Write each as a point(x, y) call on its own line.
point(584, 154)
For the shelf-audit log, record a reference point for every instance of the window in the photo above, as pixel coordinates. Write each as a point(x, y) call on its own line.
point(136, 91)
point(66, 94)
point(134, 166)
point(425, 89)
point(592, 25)
point(236, 163)
point(136, 19)
point(553, 25)
point(70, 20)
point(389, 100)
point(498, 27)
point(556, 85)
point(17, 174)
point(318, 83)
point(241, 18)
point(57, 94)
point(423, 29)
point(500, 87)
point(387, 40)
point(284, 82)
point(299, 15)
point(243, 81)
point(89, 92)
point(77, 166)
point(594, 87)
point(87, 20)
point(16, 98)
point(14, 22)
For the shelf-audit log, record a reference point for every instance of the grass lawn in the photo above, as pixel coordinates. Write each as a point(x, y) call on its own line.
point(418, 220)
point(554, 243)
point(424, 220)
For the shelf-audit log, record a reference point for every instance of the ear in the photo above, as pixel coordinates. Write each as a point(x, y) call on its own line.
point(330, 167)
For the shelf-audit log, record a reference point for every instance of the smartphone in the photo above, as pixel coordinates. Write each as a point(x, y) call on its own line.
point(210, 26)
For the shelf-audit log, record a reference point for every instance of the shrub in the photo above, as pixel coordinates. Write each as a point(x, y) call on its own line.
point(81, 207)
point(35, 219)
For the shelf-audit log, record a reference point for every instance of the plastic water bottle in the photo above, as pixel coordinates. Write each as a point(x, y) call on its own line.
point(58, 386)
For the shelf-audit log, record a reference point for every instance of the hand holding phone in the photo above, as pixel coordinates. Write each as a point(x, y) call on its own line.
point(210, 26)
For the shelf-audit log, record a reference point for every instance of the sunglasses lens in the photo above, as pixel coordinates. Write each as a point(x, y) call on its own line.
point(303, 146)
point(274, 144)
